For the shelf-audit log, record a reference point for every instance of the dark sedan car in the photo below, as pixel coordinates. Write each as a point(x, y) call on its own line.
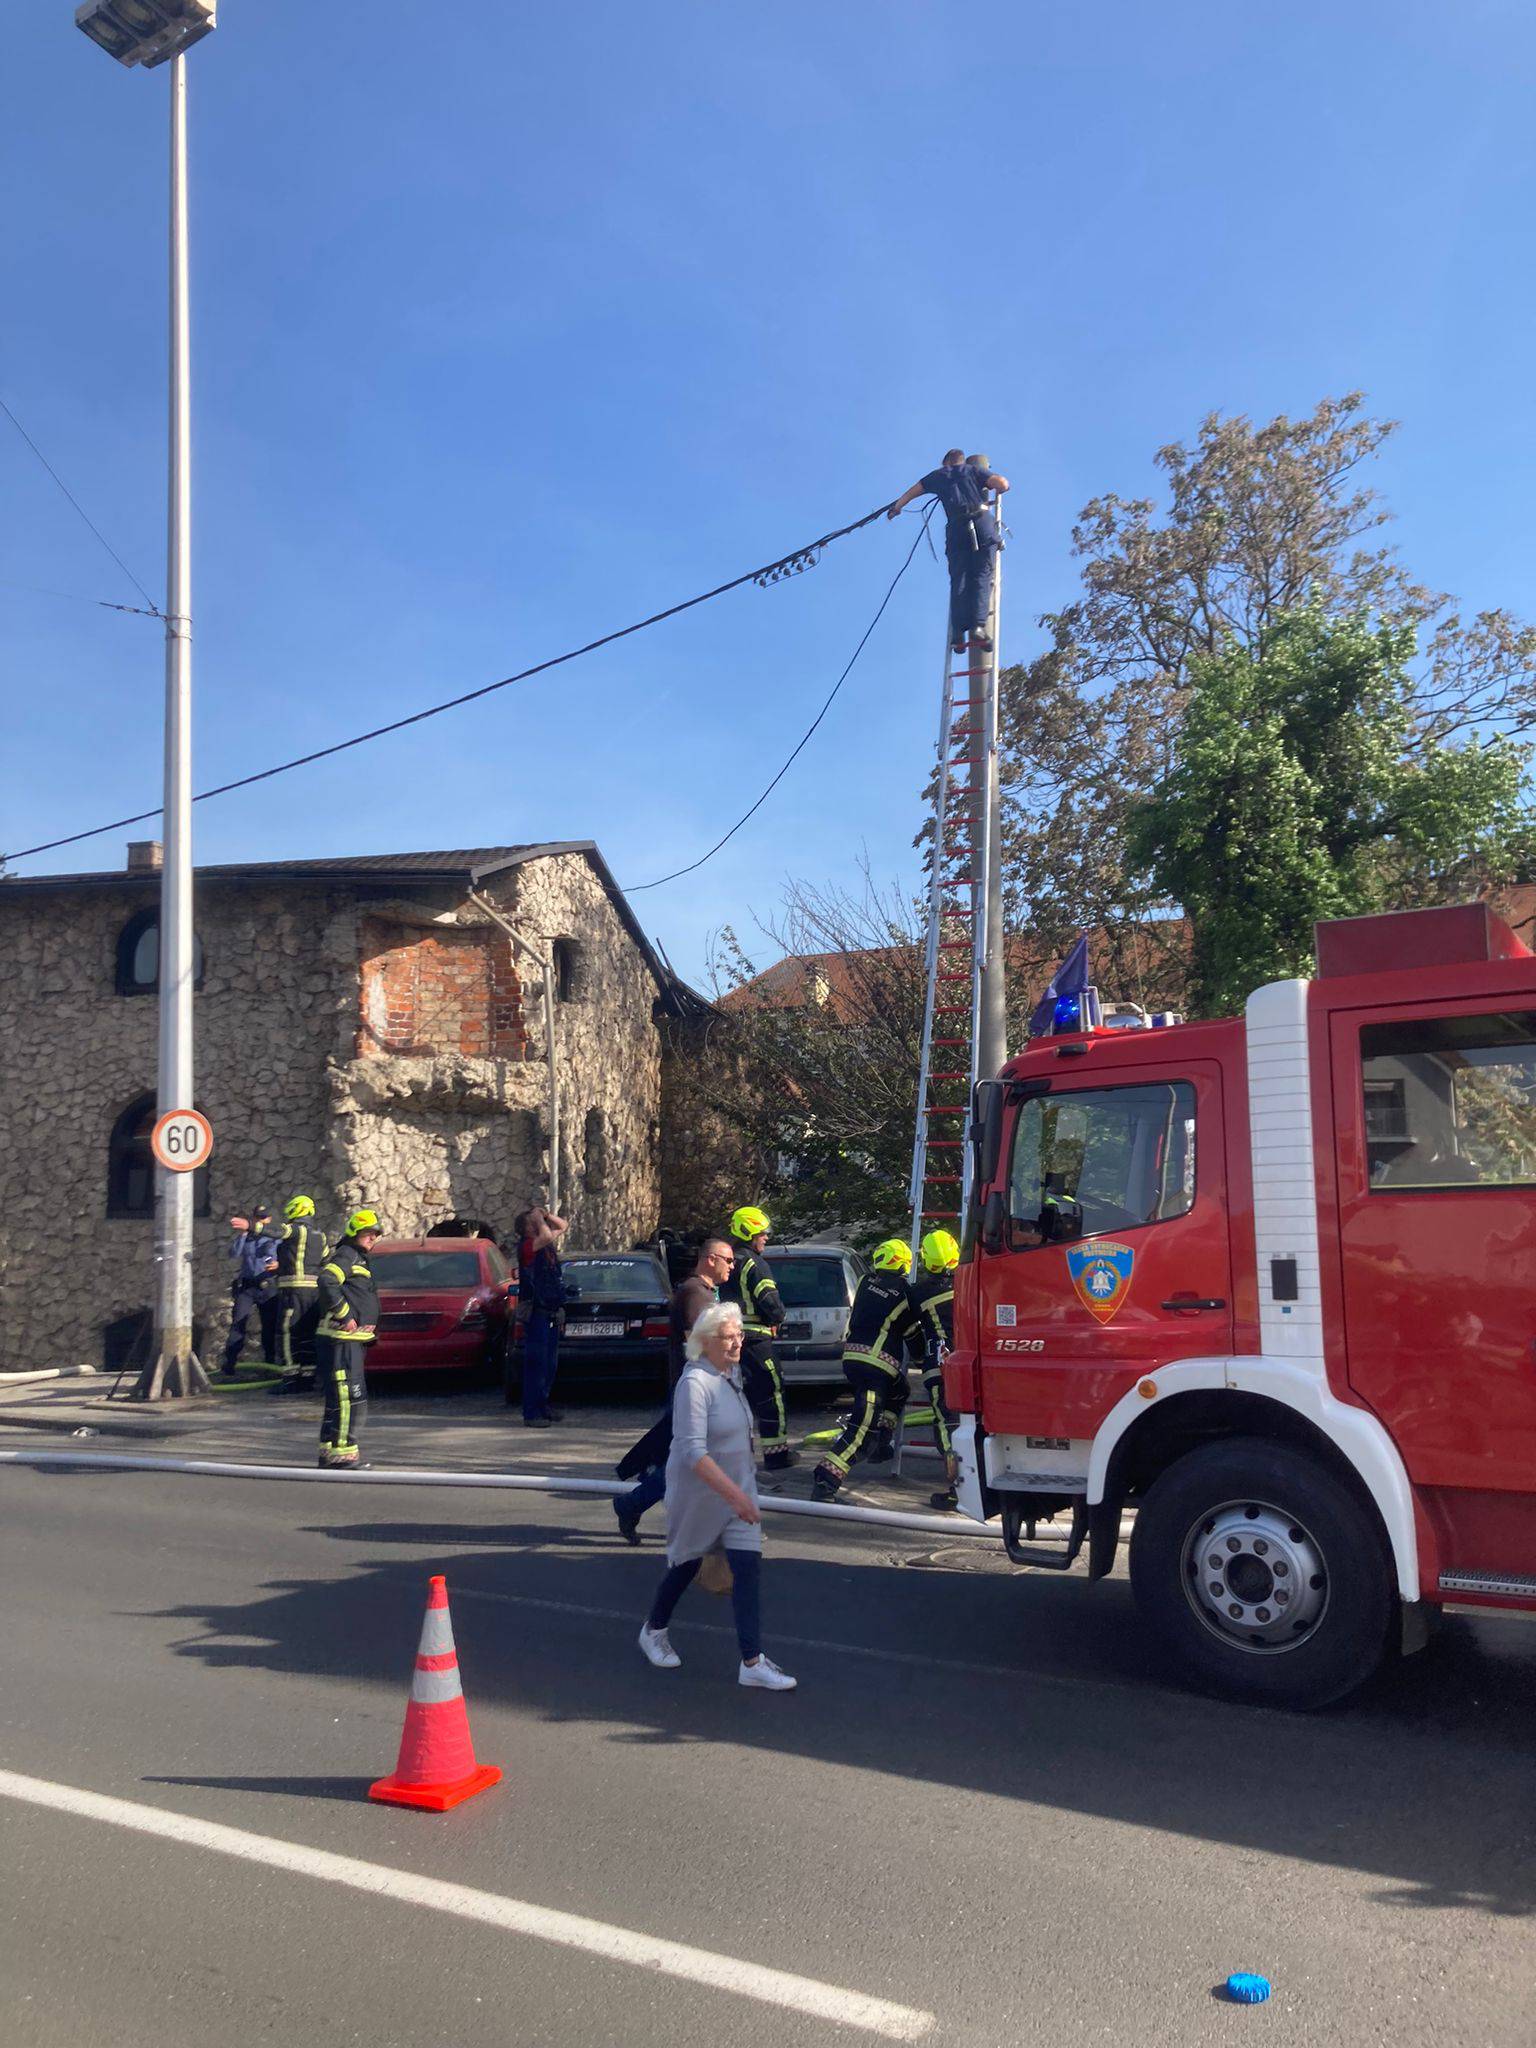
point(617, 1315)
point(442, 1302)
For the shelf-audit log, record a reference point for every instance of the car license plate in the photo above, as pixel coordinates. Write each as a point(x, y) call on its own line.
point(797, 1329)
point(594, 1329)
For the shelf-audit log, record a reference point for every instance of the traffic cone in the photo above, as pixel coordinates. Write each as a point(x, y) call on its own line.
point(436, 1767)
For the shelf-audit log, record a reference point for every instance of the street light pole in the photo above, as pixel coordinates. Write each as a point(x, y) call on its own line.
point(151, 33)
point(174, 1367)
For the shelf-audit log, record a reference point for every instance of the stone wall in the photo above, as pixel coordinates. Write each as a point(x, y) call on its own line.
point(306, 1092)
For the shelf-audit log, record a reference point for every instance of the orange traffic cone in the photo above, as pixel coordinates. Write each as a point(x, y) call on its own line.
point(436, 1767)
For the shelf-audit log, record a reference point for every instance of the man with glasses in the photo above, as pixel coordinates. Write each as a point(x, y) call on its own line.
point(713, 1267)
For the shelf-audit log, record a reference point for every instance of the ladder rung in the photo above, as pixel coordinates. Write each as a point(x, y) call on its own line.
point(952, 945)
point(954, 977)
point(951, 1009)
point(956, 673)
point(950, 1041)
point(943, 1109)
point(943, 1215)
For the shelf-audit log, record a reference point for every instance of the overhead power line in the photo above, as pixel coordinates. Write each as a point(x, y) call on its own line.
point(635, 888)
point(155, 611)
point(792, 564)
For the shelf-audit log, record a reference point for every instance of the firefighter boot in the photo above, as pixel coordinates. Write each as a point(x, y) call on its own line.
point(883, 1449)
point(781, 1460)
point(825, 1483)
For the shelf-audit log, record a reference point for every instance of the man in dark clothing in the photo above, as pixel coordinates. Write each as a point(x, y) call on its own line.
point(649, 1456)
point(882, 1326)
point(541, 1299)
point(751, 1287)
point(254, 1251)
point(349, 1317)
point(961, 484)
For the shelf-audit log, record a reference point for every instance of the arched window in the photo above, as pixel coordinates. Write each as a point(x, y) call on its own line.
point(131, 1165)
point(567, 959)
point(595, 1152)
point(138, 955)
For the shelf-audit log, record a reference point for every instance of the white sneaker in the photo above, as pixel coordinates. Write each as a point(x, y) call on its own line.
point(766, 1674)
point(657, 1646)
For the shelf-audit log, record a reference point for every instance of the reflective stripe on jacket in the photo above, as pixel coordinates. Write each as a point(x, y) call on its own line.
point(881, 1324)
point(348, 1293)
point(300, 1253)
point(751, 1286)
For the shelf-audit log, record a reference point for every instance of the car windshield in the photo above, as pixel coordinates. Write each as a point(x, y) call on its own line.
point(811, 1282)
point(424, 1271)
point(613, 1279)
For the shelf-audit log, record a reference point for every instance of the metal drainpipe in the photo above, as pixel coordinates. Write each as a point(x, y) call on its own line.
point(546, 961)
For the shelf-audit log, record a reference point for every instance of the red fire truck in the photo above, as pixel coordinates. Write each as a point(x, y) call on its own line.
point(1271, 1283)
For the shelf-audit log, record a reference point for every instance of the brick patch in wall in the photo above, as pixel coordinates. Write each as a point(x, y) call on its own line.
point(432, 992)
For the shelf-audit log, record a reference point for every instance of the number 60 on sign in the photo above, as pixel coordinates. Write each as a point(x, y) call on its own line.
point(182, 1140)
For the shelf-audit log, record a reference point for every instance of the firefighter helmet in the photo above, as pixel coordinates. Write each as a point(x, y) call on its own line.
point(300, 1206)
point(894, 1256)
point(361, 1220)
point(940, 1252)
point(749, 1223)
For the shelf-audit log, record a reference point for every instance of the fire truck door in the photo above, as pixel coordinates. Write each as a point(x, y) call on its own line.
point(1116, 1259)
point(1435, 1114)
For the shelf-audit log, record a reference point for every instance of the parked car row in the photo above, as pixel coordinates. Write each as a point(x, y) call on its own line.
point(449, 1304)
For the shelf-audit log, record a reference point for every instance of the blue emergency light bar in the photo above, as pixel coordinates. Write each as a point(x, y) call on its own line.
point(1078, 1010)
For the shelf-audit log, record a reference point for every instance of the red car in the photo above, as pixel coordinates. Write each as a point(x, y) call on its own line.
point(444, 1302)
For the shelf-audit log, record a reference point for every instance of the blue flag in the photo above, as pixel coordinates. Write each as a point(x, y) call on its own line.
point(1069, 978)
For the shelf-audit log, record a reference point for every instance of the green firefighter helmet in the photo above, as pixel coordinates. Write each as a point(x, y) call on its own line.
point(300, 1207)
point(894, 1256)
point(940, 1252)
point(749, 1223)
point(361, 1220)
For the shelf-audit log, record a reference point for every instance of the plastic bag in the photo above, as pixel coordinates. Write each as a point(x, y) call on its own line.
point(715, 1571)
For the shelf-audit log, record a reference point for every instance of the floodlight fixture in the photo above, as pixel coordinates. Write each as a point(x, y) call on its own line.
point(146, 32)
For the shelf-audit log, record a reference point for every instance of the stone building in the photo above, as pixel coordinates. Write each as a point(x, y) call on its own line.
point(365, 1030)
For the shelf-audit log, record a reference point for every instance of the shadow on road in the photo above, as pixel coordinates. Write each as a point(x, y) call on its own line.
point(1020, 1687)
point(348, 1790)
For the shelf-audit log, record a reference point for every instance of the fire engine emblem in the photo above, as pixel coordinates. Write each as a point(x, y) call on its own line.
point(1101, 1273)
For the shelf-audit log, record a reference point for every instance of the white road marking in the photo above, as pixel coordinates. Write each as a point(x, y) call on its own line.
point(515, 1916)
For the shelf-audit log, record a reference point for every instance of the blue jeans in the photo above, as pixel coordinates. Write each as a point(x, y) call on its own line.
point(650, 1489)
point(746, 1565)
point(541, 1345)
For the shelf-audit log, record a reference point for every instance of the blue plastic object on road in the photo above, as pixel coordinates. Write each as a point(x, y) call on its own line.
point(1246, 1988)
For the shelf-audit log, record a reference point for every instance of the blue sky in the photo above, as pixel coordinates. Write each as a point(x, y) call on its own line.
point(511, 325)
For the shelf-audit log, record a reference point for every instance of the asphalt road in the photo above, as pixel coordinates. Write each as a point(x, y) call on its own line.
point(984, 1803)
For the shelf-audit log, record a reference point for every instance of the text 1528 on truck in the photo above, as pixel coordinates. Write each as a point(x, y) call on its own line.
point(1271, 1283)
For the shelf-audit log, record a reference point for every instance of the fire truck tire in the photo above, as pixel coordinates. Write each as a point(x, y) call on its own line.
point(1262, 1575)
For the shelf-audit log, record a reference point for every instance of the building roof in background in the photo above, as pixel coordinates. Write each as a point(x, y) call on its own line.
point(469, 866)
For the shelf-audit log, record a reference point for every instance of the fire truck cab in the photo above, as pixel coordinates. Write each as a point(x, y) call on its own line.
point(1270, 1282)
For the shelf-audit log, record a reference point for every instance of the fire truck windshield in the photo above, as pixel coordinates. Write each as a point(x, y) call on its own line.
point(1100, 1159)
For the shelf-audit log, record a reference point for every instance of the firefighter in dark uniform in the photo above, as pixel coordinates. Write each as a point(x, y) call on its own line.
point(882, 1328)
point(301, 1251)
point(349, 1316)
point(750, 1285)
point(933, 1299)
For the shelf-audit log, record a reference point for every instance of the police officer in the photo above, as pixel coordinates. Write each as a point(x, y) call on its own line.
point(933, 1301)
point(750, 1285)
point(349, 1315)
point(882, 1326)
point(254, 1251)
point(301, 1251)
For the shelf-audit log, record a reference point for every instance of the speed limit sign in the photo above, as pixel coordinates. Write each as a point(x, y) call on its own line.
point(182, 1139)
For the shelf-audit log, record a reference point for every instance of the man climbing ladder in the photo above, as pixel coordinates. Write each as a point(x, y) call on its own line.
point(961, 484)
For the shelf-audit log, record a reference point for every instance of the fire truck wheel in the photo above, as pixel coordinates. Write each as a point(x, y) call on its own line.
point(1262, 1575)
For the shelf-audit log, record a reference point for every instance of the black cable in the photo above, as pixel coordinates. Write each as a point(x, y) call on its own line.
point(64, 487)
point(772, 572)
point(74, 597)
point(634, 888)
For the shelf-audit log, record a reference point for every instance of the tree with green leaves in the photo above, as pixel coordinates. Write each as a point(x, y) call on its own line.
point(1301, 785)
point(1258, 522)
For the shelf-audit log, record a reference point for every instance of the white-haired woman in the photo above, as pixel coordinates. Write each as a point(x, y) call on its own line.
point(712, 1495)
